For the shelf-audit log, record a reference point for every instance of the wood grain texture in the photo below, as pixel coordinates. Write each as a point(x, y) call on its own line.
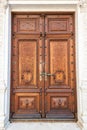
point(43, 81)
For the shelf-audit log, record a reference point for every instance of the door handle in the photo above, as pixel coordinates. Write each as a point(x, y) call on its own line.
point(46, 74)
point(43, 74)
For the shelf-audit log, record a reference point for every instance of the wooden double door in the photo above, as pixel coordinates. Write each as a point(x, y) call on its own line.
point(43, 82)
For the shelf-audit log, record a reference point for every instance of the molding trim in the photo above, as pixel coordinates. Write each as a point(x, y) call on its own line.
point(17, 2)
point(3, 87)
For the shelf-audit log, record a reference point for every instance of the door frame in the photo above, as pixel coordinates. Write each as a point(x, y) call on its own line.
point(7, 63)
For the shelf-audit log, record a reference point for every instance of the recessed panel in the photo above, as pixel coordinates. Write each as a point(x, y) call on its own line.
point(28, 25)
point(27, 62)
point(59, 62)
point(59, 102)
point(27, 103)
point(59, 24)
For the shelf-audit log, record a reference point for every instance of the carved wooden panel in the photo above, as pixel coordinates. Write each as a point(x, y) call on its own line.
point(24, 64)
point(27, 103)
point(59, 23)
point(59, 103)
point(59, 62)
point(26, 23)
point(27, 62)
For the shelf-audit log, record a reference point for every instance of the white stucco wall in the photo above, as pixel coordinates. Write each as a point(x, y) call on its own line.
point(83, 64)
point(2, 87)
point(80, 8)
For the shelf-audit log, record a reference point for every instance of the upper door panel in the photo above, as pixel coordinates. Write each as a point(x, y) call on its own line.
point(27, 24)
point(58, 24)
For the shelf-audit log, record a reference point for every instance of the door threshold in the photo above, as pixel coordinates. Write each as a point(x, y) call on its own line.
point(43, 120)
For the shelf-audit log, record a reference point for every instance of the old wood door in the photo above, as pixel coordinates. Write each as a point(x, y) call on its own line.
point(43, 66)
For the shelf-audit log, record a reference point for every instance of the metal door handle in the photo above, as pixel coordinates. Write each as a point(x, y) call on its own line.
point(43, 74)
point(46, 74)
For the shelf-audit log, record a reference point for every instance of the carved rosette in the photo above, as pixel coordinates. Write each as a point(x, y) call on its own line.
point(59, 76)
point(27, 76)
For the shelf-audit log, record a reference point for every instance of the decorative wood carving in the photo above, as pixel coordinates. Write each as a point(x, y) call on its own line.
point(27, 76)
point(27, 103)
point(59, 103)
point(59, 76)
